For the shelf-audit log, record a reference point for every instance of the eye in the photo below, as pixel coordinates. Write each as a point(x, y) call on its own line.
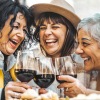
point(43, 28)
point(15, 27)
point(55, 27)
point(85, 44)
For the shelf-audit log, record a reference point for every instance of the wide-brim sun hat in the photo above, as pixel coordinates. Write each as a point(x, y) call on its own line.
point(61, 7)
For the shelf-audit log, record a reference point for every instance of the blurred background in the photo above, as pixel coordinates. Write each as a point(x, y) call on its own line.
point(83, 8)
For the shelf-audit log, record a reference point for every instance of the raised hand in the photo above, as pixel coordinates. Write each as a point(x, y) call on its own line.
point(72, 86)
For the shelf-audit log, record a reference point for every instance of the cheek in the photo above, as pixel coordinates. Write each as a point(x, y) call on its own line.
point(62, 39)
point(23, 37)
point(95, 53)
point(4, 38)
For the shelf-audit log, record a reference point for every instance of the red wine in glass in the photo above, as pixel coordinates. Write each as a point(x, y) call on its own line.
point(45, 72)
point(25, 66)
point(25, 75)
point(44, 80)
point(65, 66)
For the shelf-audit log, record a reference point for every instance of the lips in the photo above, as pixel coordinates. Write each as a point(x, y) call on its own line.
point(14, 43)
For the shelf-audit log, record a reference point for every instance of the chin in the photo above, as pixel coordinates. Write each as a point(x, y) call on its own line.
point(10, 52)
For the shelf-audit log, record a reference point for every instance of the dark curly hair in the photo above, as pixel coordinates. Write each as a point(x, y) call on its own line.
point(9, 7)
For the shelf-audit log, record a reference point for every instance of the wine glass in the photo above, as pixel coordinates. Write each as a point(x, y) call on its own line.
point(45, 72)
point(24, 68)
point(64, 66)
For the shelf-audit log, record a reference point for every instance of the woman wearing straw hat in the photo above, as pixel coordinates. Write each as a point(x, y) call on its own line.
point(56, 24)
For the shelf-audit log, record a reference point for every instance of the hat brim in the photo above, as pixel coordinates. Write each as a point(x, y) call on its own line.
point(40, 8)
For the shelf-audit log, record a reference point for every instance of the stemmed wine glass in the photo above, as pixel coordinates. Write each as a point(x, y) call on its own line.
point(45, 72)
point(64, 66)
point(24, 68)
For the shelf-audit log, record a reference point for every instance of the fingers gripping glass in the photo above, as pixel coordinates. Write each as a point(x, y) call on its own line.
point(64, 66)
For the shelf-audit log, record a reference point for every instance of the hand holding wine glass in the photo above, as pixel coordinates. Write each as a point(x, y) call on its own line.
point(64, 66)
point(24, 71)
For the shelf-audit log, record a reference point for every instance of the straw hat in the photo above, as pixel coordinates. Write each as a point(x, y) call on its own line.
point(57, 6)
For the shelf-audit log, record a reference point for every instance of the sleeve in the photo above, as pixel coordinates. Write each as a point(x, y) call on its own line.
point(2, 94)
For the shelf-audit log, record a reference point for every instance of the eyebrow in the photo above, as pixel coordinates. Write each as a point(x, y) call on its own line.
point(86, 39)
point(49, 23)
point(19, 24)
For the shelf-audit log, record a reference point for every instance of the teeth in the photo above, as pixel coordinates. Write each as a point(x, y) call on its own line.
point(50, 40)
point(15, 41)
point(86, 58)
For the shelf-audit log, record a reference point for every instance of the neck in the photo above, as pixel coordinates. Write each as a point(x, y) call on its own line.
point(53, 58)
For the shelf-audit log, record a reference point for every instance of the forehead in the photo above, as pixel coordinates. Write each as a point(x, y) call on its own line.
point(83, 34)
point(20, 18)
point(48, 22)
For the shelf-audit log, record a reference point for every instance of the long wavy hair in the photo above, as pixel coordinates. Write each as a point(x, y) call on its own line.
point(9, 7)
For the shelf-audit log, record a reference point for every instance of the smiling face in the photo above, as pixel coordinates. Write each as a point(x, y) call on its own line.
point(10, 42)
point(52, 37)
point(89, 50)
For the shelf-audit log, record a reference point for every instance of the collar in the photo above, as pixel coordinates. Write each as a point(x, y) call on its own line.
point(1, 60)
point(10, 61)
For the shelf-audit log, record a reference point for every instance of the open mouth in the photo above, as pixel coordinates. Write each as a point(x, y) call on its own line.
point(13, 42)
point(51, 42)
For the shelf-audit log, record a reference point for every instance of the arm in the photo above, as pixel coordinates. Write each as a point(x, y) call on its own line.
point(89, 91)
point(74, 86)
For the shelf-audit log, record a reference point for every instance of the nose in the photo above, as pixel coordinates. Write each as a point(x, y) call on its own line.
point(48, 31)
point(21, 33)
point(79, 50)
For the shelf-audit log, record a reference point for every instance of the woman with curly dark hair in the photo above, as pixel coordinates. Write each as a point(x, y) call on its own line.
point(15, 23)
